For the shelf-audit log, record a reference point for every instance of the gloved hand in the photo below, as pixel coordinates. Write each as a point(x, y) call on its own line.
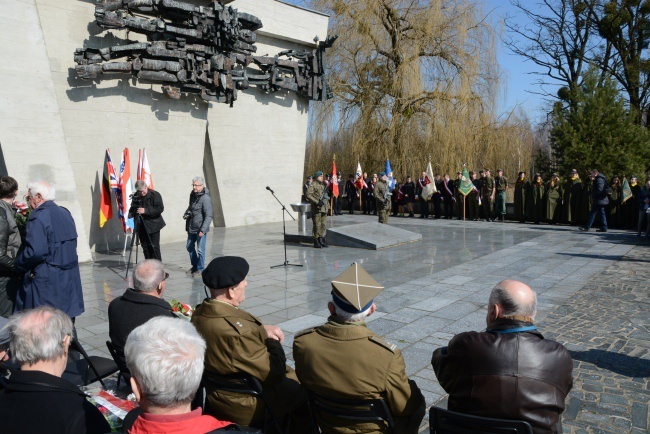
point(321, 203)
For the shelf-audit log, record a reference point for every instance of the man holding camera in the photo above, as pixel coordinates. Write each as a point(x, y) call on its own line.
point(147, 207)
point(197, 224)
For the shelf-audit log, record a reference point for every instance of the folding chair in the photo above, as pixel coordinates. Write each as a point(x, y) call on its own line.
point(88, 369)
point(119, 359)
point(362, 410)
point(448, 422)
point(240, 382)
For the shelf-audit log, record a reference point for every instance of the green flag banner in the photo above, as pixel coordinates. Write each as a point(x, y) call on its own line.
point(627, 191)
point(466, 184)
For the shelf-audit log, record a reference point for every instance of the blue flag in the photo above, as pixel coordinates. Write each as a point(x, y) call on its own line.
point(389, 174)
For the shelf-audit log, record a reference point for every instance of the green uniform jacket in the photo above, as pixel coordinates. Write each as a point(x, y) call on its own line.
point(380, 195)
point(553, 196)
point(314, 195)
point(237, 342)
point(348, 360)
point(488, 186)
point(500, 183)
point(614, 218)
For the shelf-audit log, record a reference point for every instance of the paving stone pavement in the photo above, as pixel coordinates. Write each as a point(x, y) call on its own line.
point(434, 288)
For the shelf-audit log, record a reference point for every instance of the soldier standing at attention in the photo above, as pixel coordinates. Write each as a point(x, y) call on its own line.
point(487, 194)
point(500, 186)
point(344, 359)
point(319, 200)
point(382, 198)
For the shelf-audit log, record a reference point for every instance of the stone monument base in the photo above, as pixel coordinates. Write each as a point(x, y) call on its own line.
point(371, 236)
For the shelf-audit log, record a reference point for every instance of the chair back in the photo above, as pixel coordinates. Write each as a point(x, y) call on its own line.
point(448, 422)
point(120, 360)
point(362, 410)
point(89, 369)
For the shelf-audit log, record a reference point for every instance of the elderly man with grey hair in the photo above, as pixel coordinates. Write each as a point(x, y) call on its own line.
point(138, 304)
point(165, 358)
point(198, 217)
point(48, 261)
point(508, 371)
point(37, 399)
point(147, 208)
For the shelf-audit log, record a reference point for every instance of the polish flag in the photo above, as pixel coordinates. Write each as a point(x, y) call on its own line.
point(144, 171)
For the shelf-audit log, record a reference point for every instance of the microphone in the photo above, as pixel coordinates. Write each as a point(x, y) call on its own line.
point(269, 189)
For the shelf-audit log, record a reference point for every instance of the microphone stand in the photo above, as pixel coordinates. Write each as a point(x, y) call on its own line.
point(284, 233)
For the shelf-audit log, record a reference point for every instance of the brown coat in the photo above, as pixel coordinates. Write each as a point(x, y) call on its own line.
point(509, 375)
point(348, 360)
point(237, 342)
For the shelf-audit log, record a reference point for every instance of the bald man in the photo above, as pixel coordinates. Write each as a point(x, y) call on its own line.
point(508, 371)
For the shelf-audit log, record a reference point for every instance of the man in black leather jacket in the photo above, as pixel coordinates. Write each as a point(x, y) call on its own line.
point(149, 205)
point(509, 371)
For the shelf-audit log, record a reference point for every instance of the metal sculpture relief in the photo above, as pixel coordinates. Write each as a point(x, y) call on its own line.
point(205, 50)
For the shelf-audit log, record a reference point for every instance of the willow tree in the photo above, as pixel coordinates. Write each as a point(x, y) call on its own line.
point(394, 61)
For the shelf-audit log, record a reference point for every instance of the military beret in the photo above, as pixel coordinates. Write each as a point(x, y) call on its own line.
point(317, 174)
point(224, 272)
point(382, 174)
point(354, 290)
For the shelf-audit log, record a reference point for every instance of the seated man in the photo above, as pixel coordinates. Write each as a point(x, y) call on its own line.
point(239, 342)
point(344, 359)
point(138, 305)
point(37, 399)
point(509, 371)
point(165, 357)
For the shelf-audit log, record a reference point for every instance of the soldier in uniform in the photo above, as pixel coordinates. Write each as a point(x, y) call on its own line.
point(572, 193)
point(382, 198)
point(319, 200)
point(344, 359)
point(500, 187)
point(305, 187)
point(239, 342)
point(487, 195)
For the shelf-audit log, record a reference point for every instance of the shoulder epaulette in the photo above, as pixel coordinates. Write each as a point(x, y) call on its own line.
point(238, 324)
point(384, 343)
point(304, 332)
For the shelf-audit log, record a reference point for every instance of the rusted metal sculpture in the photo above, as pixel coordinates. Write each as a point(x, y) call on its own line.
point(206, 50)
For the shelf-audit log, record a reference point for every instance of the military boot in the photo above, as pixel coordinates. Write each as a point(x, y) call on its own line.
point(317, 244)
point(322, 242)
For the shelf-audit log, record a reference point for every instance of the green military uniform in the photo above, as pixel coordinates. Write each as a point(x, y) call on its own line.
point(572, 193)
point(486, 196)
point(319, 208)
point(553, 205)
point(383, 203)
point(500, 185)
point(521, 190)
point(344, 359)
point(535, 202)
point(614, 219)
point(238, 342)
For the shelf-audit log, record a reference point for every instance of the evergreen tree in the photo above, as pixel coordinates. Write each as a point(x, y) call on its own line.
point(599, 132)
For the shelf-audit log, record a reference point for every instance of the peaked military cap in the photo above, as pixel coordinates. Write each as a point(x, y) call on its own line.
point(354, 290)
point(225, 272)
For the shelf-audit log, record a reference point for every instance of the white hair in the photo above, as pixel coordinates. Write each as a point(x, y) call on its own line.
point(166, 355)
point(147, 275)
point(351, 317)
point(37, 335)
point(198, 180)
point(140, 185)
point(45, 189)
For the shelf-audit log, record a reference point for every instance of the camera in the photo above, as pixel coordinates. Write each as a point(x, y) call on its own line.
point(187, 215)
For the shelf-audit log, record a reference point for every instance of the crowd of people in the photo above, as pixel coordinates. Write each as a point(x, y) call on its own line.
point(553, 201)
point(171, 362)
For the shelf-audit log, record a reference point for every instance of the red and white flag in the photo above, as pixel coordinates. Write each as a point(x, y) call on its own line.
point(125, 190)
point(358, 182)
point(429, 185)
point(144, 171)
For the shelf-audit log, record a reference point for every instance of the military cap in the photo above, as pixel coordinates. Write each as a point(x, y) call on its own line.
point(328, 176)
point(574, 171)
point(309, 177)
point(354, 290)
point(382, 174)
point(224, 272)
point(317, 174)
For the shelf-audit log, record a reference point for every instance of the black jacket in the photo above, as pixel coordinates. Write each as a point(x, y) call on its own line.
point(506, 375)
point(131, 310)
point(37, 402)
point(153, 207)
point(599, 190)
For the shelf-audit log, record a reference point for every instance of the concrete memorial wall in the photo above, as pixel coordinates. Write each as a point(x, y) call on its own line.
point(56, 127)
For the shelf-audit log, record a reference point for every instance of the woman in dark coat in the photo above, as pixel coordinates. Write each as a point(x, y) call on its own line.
point(553, 200)
point(9, 245)
point(535, 199)
point(521, 188)
point(614, 218)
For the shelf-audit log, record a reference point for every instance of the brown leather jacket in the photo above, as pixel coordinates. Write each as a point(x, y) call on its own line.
point(506, 374)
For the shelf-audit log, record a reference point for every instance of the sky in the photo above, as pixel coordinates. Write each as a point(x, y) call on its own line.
point(519, 84)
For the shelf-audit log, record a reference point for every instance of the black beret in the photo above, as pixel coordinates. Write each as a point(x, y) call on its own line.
point(224, 272)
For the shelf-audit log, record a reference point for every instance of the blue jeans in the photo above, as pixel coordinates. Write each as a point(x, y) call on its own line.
point(600, 210)
point(197, 260)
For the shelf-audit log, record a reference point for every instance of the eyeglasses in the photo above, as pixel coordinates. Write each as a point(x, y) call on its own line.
point(166, 276)
point(197, 185)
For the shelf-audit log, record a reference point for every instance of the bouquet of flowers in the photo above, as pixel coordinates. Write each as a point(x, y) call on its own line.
point(112, 408)
point(181, 309)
